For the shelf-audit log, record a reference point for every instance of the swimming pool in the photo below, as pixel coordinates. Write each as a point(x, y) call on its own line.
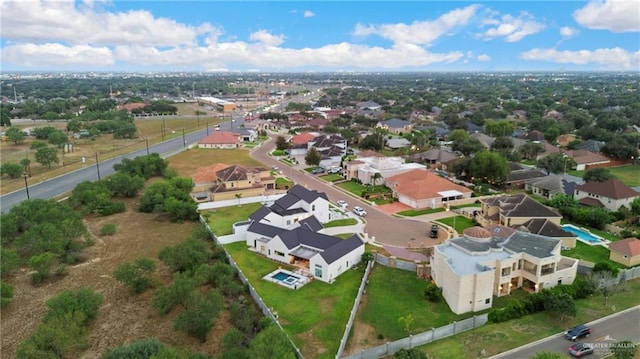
point(285, 277)
point(583, 234)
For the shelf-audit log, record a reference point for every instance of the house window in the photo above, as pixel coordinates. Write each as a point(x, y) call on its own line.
point(487, 301)
point(514, 266)
point(506, 271)
point(313, 207)
point(318, 270)
point(279, 253)
point(288, 222)
point(520, 264)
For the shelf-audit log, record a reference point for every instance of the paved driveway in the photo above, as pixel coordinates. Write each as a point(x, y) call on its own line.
point(392, 208)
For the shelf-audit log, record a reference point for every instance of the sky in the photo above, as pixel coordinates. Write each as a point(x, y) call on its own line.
point(319, 36)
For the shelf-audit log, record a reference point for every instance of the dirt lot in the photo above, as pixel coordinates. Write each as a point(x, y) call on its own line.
point(123, 317)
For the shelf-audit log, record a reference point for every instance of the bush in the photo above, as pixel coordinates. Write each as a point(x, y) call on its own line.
point(142, 349)
point(605, 267)
point(432, 293)
point(108, 229)
point(6, 294)
point(137, 275)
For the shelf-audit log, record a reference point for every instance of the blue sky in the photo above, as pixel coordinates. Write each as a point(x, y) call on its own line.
point(299, 36)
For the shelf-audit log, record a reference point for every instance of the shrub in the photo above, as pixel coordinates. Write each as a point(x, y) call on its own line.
point(6, 294)
point(605, 267)
point(137, 275)
point(108, 229)
point(432, 293)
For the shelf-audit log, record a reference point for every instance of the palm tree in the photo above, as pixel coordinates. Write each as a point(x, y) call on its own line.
point(374, 179)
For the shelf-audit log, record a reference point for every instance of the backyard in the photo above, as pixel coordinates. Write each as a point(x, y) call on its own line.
point(629, 174)
point(313, 316)
point(459, 223)
point(377, 194)
point(221, 220)
point(593, 254)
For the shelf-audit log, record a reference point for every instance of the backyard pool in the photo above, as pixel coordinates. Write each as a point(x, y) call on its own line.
point(584, 235)
point(286, 278)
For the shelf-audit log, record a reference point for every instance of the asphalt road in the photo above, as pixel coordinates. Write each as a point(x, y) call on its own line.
point(60, 185)
point(389, 230)
point(618, 327)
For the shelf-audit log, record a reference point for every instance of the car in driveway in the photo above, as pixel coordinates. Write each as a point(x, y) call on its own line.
point(580, 350)
point(318, 170)
point(342, 204)
point(359, 211)
point(577, 332)
point(434, 231)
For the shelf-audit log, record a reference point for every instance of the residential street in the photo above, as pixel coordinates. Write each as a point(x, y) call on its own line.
point(618, 327)
point(386, 229)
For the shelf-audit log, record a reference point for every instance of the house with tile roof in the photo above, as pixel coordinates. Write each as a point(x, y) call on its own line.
point(587, 159)
point(610, 194)
point(222, 182)
point(551, 185)
point(626, 251)
point(365, 168)
point(473, 268)
point(425, 189)
point(289, 231)
point(221, 139)
point(396, 125)
point(514, 210)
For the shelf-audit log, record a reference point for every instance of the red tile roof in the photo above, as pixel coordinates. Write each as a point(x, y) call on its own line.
point(628, 246)
point(207, 174)
point(302, 138)
point(221, 137)
point(420, 184)
point(611, 188)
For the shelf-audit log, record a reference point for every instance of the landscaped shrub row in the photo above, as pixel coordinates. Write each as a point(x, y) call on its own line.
point(535, 302)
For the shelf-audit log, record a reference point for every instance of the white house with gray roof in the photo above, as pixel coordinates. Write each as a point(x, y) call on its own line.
point(288, 232)
point(473, 268)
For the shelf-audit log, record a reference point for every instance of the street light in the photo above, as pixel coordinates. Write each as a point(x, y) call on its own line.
point(26, 185)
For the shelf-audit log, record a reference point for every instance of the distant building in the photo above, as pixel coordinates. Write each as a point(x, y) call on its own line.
point(221, 139)
point(223, 105)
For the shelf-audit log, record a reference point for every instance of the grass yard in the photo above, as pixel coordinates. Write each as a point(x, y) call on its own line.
point(187, 162)
point(315, 315)
point(283, 183)
point(278, 153)
point(497, 338)
point(419, 212)
point(629, 175)
point(341, 222)
point(593, 254)
point(477, 205)
point(377, 194)
point(604, 234)
point(461, 223)
point(221, 220)
point(384, 306)
point(333, 177)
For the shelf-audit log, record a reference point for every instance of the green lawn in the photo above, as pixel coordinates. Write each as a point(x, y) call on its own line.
point(394, 293)
point(593, 254)
point(629, 175)
point(461, 223)
point(278, 153)
point(315, 315)
point(478, 205)
point(282, 182)
point(603, 234)
point(419, 212)
point(341, 222)
point(497, 338)
point(378, 194)
point(221, 220)
point(332, 177)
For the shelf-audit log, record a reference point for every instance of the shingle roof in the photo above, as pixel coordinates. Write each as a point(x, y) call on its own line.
point(303, 236)
point(264, 229)
point(438, 155)
point(545, 227)
point(628, 246)
point(524, 174)
point(591, 202)
point(232, 173)
point(341, 248)
point(520, 205)
point(311, 223)
point(533, 244)
point(395, 123)
point(611, 188)
point(586, 157)
point(258, 215)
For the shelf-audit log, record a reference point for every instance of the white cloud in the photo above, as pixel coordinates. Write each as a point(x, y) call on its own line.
point(419, 32)
point(615, 16)
point(611, 58)
point(513, 29)
point(57, 55)
point(567, 32)
point(308, 13)
point(484, 57)
point(266, 38)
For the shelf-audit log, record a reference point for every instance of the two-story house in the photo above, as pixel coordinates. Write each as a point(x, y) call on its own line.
point(610, 194)
point(473, 268)
point(221, 182)
point(514, 210)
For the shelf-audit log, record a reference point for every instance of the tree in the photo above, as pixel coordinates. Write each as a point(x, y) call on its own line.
point(556, 163)
point(635, 206)
point(412, 353)
point(407, 322)
point(366, 257)
point(489, 167)
point(55, 338)
point(200, 315)
point(41, 264)
point(502, 142)
point(10, 260)
point(531, 150)
point(58, 138)
point(606, 283)
point(124, 184)
point(15, 135)
point(312, 158)
point(271, 343)
point(625, 349)
point(143, 166)
point(282, 143)
point(136, 275)
point(185, 256)
point(178, 292)
point(83, 300)
point(597, 175)
point(432, 293)
point(6, 294)
point(13, 170)
point(26, 165)
point(467, 146)
point(499, 128)
point(143, 349)
point(375, 177)
point(35, 145)
point(47, 156)
point(561, 305)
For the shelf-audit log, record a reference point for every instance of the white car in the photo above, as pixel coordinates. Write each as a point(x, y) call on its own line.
point(342, 204)
point(359, 211)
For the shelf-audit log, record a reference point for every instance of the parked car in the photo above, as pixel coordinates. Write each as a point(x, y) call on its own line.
point(342, 204)
point(578, 332)
point(434, 231)
point(359, 211)
point(580, 350)
point(275, 168)
point(334, 170)
point(317, 170)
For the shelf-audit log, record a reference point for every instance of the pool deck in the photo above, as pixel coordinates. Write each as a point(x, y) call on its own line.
point(601, 241)
point(295, 285)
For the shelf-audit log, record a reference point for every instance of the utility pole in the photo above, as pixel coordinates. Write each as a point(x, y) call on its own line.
point(26, 185)
point(184, 141)
point(147, 139)
point(97, 166)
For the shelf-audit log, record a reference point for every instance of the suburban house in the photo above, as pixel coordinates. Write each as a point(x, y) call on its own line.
point(626, 251)
point(484, 139)
point(259, 125)
point(425, 189)
point(549, 186)
point(473, 268)
point(587, 159)
point(221, 139)
point(519, 178)
point(246, 135)
point(514, 210)
point(548, 228)
point(396, 143)
point(365, 168)
point(369, 105)
point(396, 125)
point(288, 232)
point(610, 194)
point(230, 182)
point(437, 157)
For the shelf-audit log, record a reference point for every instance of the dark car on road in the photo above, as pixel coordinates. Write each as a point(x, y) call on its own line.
point(580, 350)
point(575, 333)
point(434, 231)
